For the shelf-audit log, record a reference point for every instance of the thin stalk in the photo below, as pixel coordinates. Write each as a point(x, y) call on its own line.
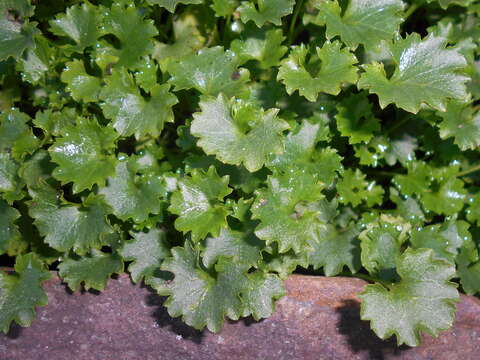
point(291, 31)
point(399, 123)
point(411, 9)
point(469, 171)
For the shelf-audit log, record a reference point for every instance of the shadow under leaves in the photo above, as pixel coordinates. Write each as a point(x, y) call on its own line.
point(164, 320)
point(14, 332)
point(361, 338)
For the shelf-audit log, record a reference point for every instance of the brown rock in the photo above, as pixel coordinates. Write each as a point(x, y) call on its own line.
point(318, 319)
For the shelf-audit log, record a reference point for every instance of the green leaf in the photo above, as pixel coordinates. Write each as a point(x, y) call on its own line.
point(381, 245)
point(92, 270)
point(353, 189)
point(66, 226)
point(445, 239)
point(200, 298)
point(263, 11)
point(80, 23)
point(9, 233)
point(22, 291)
point(355, 119)
point(468, 268)
point(237, 132)
point(146, 74)
point(198, 204)
point(424, 300)
point(446, 3)
point(211, 71)
point(36, 62)
point(325, 71)
point(243, 248)
point(461, 122)
point(287, 212)
point(439, 189)
point(426, 72)
point(133, 196)
point(224, 7)
point(260, 294)
point(170, 5)
point(146, 251)
point(16, 135)
point(52, 122)
point(407, 207)
point(334, 249)
point(84, 154)
point(301, 155)
point(366, 22)
point(447, 194)
point(16, 32)
point(187, 35)
point(259, 44)
point(473, 211)
point(131, 113)
point(83, 87)
point(10, 183)
point(135, 33)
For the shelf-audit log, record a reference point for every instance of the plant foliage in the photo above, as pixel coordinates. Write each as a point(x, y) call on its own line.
point(212, 147)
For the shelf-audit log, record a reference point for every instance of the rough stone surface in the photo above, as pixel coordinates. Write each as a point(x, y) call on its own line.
point(318, 319)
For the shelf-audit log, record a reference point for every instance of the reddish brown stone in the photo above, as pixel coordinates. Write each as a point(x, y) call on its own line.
point(318, 319)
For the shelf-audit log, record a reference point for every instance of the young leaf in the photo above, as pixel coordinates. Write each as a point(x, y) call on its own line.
point(133, 196)
point(198, 204)
point(353, 189)
point(424, 300)
point(286, 217)
point(243, 248)
point(9, 233)
point(260, 294)
point(263, 11)
point(170, 5)
point(461, 122)
point(83, 154)
point(237, 132)
point(10, 183)
point(364, 22)
point(146, 251)
point(310, 78)
point(70, 226)
point(134, 32)
point(92, 270)
point(16, 136)
point(355, 119)
point(262, 45)
point(16, 34)
point(426, 72)
point(211, 71)
point(82, 86)
point(201, 299)
point(131, 113)
point(80, 23)
point(381, 247)
point(22, 291)
point(301, 155)
point(334, 249)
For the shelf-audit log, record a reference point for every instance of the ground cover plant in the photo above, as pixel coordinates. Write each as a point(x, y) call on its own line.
point(210, 148)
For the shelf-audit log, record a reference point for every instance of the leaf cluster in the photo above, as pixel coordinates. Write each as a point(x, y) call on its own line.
point(210, 148)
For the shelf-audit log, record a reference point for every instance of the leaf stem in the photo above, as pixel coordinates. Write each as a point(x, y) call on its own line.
point(398, 124)
point(469, 171)
point(291, 31)
point(411, 10)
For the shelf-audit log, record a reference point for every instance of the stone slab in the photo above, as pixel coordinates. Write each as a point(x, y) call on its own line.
point(318, 319)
